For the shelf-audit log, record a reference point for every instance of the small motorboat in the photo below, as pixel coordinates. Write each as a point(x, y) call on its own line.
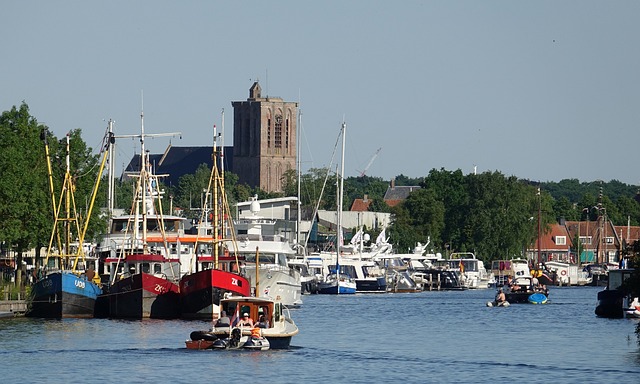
point(498, 304)
point(207, 340)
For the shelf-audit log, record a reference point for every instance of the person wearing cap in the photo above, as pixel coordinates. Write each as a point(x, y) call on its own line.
point(245, 321)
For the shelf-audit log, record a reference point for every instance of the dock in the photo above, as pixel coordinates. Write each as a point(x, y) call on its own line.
point(12, 308)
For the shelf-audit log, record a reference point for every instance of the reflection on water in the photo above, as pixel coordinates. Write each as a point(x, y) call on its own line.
point(424, 337)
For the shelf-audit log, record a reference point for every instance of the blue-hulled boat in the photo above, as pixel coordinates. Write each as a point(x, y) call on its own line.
point(63, 294)
point(66, 288)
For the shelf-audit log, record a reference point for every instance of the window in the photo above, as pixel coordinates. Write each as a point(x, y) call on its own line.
point(608, 240)
point(561, 240)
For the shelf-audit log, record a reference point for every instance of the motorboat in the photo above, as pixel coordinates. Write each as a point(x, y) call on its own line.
point(611, 300)
point(266, 256)
point(522, 287)
point(397, 274)
point(473, 274)
point(278, 330)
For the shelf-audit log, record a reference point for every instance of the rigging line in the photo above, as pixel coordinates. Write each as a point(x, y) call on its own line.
point(315, 211)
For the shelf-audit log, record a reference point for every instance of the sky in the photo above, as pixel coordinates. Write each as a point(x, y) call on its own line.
point(540, 90)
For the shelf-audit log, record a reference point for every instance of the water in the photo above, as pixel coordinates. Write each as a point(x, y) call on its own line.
point(423, 337)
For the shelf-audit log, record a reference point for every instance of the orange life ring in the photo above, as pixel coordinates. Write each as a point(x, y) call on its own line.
point(563, 272)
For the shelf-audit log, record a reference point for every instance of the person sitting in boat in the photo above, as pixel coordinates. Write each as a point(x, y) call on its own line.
point(511, 284)
point(246, 321)
point(223, 321)
point(262, 322)
point(500, 298)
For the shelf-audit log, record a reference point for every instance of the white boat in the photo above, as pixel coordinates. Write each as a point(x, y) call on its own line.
point(338, 281)
point(397, 274)
point(473, 274)
point(560, 273)
point(275, 278)
point(278, 330)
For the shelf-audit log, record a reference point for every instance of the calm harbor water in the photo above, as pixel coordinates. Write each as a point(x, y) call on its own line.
point(422, 337)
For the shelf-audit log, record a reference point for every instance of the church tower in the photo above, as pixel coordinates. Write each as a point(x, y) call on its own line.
point(264, 139)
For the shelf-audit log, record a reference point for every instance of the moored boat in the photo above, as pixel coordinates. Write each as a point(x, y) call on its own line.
point(143, 274)
point(611, 300)
point(66, 287)
point(63, 294)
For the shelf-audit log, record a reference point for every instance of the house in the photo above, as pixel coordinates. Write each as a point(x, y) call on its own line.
point(554, 245)
point(397, 194)
point(361, 205)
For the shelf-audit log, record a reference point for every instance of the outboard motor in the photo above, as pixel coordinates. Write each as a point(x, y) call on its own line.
point(234, 340)
point(220, 344)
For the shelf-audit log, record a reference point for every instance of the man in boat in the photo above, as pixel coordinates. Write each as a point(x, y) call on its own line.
point(223, 321)
point(500, 298)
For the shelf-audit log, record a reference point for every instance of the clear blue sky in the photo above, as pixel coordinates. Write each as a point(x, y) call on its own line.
point(543, 90)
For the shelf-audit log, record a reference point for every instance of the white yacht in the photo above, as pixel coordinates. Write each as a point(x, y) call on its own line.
point(274, 278)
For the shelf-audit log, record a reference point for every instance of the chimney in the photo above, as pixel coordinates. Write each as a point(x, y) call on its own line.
point(393, 183)
point(366, 198)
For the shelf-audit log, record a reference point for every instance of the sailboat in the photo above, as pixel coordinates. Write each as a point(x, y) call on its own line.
point(67, 288)
point(202, 290)
point(144, 271)
point(338, 282)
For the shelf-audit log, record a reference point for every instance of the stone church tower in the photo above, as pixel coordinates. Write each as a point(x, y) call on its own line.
point(264, 139)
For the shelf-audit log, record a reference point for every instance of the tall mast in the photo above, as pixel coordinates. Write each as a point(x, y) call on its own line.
point(340, 197)
point(215, 202)
point(299, 219)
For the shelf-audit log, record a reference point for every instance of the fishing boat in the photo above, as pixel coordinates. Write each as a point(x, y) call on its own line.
point(338, 282)
point(143, 267)
point(278, 329)
point(216, 272)
point(66, 287)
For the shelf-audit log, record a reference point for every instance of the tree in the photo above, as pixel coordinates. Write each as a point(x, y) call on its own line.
point(25, 204)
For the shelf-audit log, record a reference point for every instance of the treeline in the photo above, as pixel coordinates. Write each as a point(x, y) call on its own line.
point(490, 214)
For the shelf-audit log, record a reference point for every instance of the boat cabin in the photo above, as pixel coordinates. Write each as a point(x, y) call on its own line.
point(237, 306)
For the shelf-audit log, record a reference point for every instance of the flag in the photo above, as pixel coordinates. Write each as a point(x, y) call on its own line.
point(357, 237)
point(381, 237)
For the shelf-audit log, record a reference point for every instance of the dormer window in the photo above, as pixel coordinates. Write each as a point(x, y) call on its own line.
point(561, 240)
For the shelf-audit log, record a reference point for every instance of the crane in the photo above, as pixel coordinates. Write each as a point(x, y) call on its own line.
point(363, 173)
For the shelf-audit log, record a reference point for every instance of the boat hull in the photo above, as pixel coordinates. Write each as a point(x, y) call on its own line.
point(376, 285)
point(63, 295)
point(202, 290)
point(144, 296)
point(336, 289)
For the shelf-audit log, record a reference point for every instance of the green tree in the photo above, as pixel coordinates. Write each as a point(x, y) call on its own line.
point(25, 203)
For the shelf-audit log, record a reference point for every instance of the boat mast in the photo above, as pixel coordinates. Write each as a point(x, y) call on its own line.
point(299, 218)
point(539, 224)
point(215, 202)
point(340, 197)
